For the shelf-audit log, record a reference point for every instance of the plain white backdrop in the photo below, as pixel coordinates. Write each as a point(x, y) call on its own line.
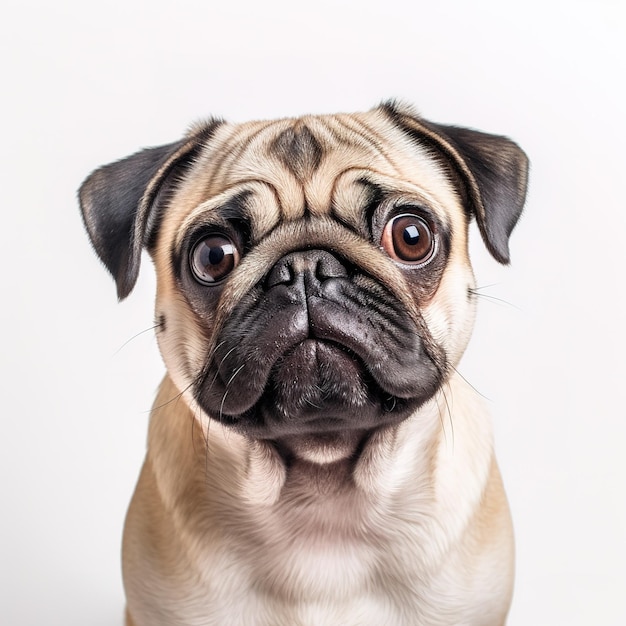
point(86, 83)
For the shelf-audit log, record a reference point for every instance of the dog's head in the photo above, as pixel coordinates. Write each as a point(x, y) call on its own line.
point(313, 275)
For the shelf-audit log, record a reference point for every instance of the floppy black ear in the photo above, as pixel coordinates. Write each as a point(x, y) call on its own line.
point(493, 169)
point(118, 200)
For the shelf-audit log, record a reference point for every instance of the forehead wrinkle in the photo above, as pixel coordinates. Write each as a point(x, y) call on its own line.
point(324, 132)
point(253, 194)
point(419, 164)
point(314, 191)
point(255, 161)
point(263, 207)
point(370, 135)
point(288, 191)
point(297, 149)
point(319, 191)
point(211, 160)
point(247, 154)
point(200, 214)
point(347, 142)
point(244, 138)
point(349, 130)
point(349, 197)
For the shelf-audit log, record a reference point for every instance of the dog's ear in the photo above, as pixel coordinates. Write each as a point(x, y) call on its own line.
point(492, 168)
point(120, 202)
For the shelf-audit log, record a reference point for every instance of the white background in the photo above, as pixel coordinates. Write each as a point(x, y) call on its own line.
point(86, 83)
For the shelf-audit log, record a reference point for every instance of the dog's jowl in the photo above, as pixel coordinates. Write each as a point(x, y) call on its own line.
point(313, 457)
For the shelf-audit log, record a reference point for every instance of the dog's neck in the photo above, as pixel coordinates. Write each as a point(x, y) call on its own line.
point(376, 464)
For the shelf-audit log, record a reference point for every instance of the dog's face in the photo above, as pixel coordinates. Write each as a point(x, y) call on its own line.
point(313, 277)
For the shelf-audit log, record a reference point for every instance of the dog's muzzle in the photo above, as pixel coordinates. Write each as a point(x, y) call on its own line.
point(316, 347)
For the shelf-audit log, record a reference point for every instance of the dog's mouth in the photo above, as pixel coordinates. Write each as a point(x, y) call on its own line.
point(318, 400)
point(321, 387)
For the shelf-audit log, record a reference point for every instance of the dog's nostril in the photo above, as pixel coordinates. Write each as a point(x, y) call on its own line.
point(329, 266)
point(281, 274)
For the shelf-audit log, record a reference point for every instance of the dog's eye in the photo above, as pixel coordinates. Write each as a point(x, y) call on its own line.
point(213, 258)
point(408, 239)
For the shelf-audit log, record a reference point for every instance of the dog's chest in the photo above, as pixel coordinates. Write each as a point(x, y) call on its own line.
point(323, 562)
point(303, 580)
point(306, 578)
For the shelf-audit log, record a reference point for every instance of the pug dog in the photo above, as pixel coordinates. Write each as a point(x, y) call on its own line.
point(314, 458)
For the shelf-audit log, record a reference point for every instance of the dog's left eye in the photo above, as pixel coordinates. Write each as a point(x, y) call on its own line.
point(409, 239)
point(213, 258)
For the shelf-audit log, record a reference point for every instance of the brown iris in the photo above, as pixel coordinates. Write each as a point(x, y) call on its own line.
point(409, 239)
point(213, 258)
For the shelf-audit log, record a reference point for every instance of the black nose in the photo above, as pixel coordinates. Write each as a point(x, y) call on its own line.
point(307, 270)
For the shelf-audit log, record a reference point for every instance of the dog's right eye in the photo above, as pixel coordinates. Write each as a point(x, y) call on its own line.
point(213, 258)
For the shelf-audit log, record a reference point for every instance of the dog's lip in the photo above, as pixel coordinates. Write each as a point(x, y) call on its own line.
point(326, 322)
point(239, 408)
point(243, 402)
point(294, 403)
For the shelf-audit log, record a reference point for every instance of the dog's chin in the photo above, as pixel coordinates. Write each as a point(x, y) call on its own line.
point(322, 448)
